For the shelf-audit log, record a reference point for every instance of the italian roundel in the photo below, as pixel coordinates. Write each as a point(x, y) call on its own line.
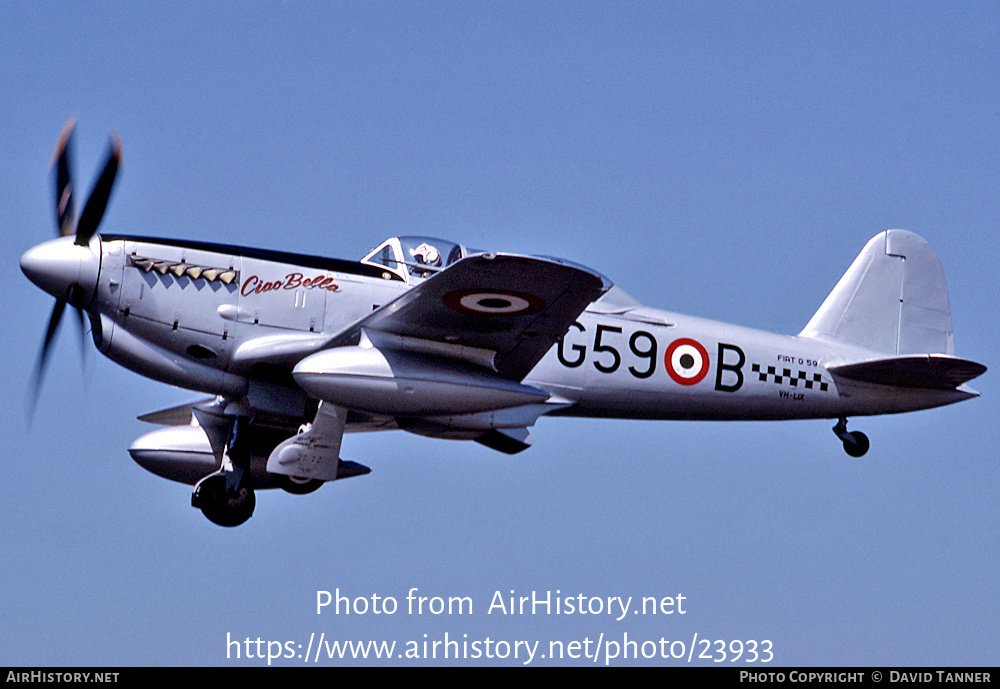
point(495, 302)
point(686, 361)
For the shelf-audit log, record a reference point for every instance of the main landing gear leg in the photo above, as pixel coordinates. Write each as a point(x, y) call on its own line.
point(855, 443)
point(227, 496)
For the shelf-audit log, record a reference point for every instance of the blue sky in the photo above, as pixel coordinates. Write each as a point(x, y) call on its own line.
point(727, 161)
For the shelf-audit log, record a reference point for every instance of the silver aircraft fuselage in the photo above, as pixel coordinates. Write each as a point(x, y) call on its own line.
point(219, 319)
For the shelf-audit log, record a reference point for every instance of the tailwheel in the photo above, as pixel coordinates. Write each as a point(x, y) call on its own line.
point(856, 443)
point(222, 503)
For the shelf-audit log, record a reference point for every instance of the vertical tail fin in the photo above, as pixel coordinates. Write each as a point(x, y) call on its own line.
point(892, 300)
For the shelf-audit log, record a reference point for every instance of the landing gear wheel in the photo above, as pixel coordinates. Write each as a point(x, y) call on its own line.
point(855, 443)
point(221, 506)
point(858, 445)
point(296, 485)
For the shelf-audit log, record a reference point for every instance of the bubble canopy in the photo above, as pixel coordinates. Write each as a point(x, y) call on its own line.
point(415, 258)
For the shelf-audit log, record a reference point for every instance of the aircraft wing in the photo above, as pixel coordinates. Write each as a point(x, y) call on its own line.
point(514, 306)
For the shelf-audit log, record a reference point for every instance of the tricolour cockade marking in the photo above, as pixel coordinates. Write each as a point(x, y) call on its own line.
point(686, 361)
point(494, 302)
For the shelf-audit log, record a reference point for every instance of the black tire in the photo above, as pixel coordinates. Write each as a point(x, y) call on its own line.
point(860, 445)
point(222, 508)
point(298, 486)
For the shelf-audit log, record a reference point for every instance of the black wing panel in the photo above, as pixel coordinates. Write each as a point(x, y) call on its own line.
point(516, 306)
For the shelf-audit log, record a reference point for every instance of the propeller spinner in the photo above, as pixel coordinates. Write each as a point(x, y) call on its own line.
point(68, 267)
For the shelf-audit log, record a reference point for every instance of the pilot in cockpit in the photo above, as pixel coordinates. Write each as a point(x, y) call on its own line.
point(425, 254)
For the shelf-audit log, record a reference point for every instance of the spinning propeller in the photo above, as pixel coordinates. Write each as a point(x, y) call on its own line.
point(68, 269)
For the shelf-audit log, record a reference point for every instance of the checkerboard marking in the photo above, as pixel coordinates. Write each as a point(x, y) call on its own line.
point(793, 380)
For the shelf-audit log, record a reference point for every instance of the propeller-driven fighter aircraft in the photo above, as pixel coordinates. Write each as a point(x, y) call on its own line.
point(434, 338)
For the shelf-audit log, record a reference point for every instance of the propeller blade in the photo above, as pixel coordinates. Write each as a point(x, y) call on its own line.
point(85, 228)
point(93, 210)
point(62, 159)
point(50, 333)
point(82, 332)
point(43, 356)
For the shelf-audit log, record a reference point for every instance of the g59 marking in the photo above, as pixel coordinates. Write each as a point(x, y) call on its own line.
point(686, 361)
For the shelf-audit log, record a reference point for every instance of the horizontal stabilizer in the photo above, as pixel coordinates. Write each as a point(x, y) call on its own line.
point(928, 371)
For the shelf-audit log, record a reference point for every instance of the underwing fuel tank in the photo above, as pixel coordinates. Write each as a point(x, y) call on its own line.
point(407, 383)
point(178, 453)
point(183, 454)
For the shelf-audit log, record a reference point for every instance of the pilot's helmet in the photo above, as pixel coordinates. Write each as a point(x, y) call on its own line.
point(427, 254)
